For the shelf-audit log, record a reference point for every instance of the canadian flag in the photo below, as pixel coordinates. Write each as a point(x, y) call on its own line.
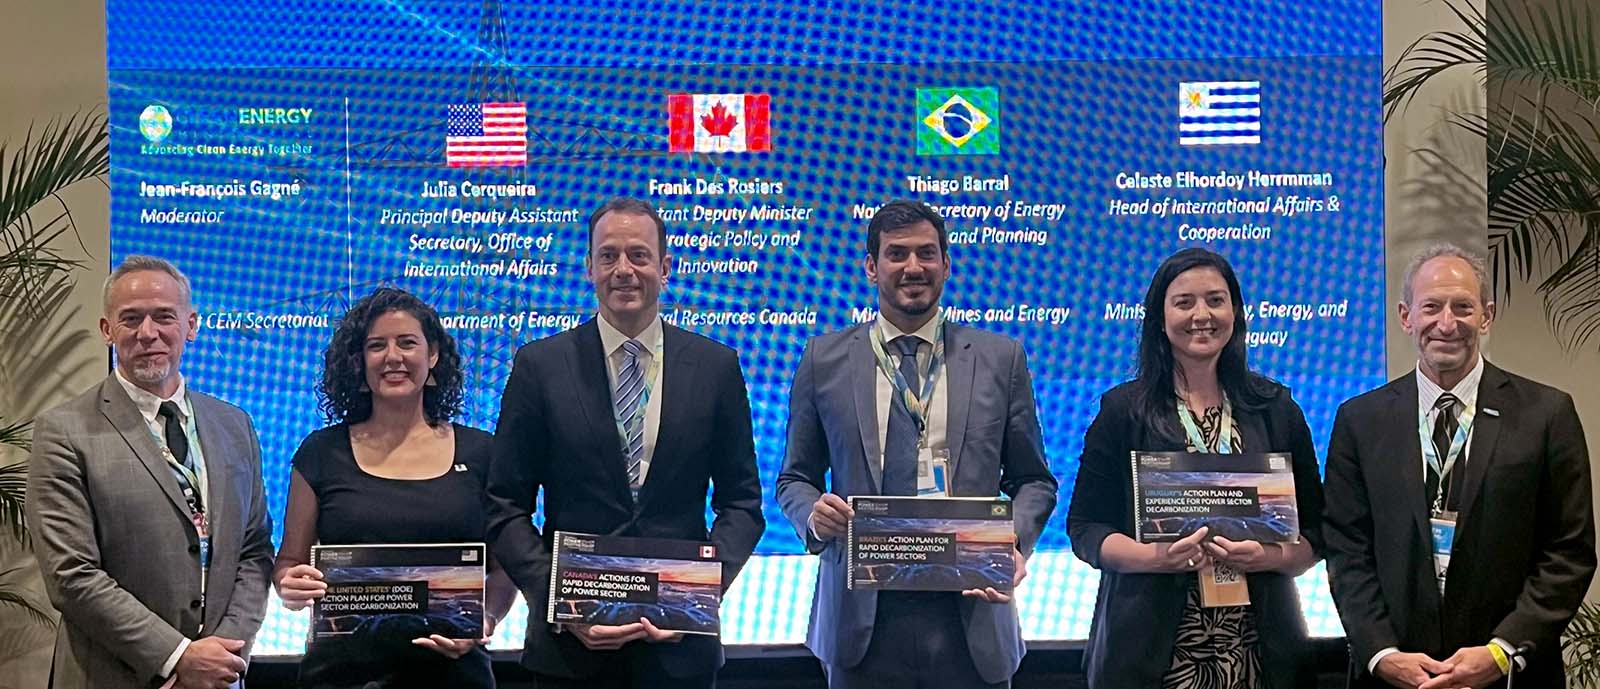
point(719, 122)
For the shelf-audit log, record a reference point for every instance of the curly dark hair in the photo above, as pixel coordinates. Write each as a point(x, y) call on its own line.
point(343, 396)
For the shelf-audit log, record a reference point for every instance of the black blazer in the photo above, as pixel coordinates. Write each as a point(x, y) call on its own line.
point(1524, 548)
point(557, 432)
point(1136, 616)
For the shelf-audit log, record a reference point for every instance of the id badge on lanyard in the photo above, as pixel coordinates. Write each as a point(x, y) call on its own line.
point(1220, 585)
point(193, 490)
point(932, 471)
point(1443, 528)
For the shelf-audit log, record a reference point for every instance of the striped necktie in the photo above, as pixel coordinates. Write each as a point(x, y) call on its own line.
point(630, 413)
point(1444, 430)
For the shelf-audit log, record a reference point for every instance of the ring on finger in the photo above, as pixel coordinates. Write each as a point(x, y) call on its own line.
point(1189, 562)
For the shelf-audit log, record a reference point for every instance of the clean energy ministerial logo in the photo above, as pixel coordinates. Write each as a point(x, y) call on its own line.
point(1212, 113)
point(155, 123)
point(958, 121)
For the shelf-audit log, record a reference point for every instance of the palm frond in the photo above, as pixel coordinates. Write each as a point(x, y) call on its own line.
point(50, 159)
point(36, 613)
point(1434, 54)
point(13, 498)
point(15, 434)
point(1528, 45)
point(65, 152)
point(1580, 647)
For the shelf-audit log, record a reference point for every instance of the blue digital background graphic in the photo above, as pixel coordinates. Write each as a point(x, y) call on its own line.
point(1085, 91)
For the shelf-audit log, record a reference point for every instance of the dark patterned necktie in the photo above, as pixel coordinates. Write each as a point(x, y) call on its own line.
point(177, 441)
point(1444, 429)
point(900, 440)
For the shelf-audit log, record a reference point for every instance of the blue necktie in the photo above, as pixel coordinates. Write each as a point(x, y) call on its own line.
point(630, 390)
point(900, 441)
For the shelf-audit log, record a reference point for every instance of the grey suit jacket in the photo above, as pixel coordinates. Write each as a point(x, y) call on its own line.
point(994, 438)
point(119, 556)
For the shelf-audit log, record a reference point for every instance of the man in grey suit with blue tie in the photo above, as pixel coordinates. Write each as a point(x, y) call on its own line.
point(147, 510)
point(869, 405)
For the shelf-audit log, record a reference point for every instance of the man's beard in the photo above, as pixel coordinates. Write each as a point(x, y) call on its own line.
point(149, 373)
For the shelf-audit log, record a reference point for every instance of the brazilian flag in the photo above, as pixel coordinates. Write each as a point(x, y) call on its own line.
point(958, 121)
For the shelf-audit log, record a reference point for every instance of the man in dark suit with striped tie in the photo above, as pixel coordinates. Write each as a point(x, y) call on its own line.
point(623, 422)
point(1458, 521)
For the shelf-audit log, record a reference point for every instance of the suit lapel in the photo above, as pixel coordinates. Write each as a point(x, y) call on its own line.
point(960, 369)
point(864, 369)
point(677, 394)
point(125, 417)
point(1407, 464)
point(1494, 393)
point(588, 359)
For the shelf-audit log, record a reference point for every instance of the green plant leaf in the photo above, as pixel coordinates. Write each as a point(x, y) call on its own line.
point(13, 499)
point(36, 613)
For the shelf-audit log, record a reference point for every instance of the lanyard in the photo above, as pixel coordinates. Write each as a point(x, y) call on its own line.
point(193, 485)
point(1197, 439)
point(650, 376)
point(189, 480)
point(915, 403)
point(1430, 454)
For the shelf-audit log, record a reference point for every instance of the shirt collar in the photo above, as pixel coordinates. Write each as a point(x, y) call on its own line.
point(926, 333)
point(611, 338)
point(1466, 390)
point(148, 403)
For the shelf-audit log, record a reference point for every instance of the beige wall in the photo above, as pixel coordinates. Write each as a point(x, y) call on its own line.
point(54, 57)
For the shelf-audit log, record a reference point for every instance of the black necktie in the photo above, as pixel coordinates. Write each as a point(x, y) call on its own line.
point(900, 440)
point(1444, 430)
point(177, 441)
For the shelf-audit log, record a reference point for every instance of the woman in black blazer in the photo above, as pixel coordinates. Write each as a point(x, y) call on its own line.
point(1149, 629)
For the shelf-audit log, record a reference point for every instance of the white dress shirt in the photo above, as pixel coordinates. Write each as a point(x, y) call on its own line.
point(611, 340)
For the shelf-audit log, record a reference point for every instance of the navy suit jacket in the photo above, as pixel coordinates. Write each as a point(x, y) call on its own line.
point(994, 439)
point(1524, 547)
point(557, 432)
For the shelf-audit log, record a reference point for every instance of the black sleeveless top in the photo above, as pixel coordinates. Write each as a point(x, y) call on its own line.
point(355, 507)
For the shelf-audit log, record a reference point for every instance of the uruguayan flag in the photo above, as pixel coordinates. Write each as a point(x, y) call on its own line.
point(1219, 112)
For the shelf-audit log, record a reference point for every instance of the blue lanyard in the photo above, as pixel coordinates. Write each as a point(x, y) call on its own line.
point(650, 376)
point(915, 403)
point(1458, 445)
point(1192, 428)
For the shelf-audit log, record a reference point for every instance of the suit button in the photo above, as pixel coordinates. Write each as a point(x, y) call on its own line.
point(194, 605)
point(194, 549)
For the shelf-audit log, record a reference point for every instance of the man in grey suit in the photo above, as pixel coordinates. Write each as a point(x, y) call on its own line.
point(148, 514)
point(882, 407)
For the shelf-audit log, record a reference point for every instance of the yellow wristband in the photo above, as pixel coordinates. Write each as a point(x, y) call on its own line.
point(1500, 659)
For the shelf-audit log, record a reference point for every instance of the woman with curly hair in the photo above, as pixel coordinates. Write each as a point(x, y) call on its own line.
point(392, 469)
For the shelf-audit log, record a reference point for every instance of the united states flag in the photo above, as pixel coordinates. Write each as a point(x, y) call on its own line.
point(1214, 113)
point(486, 135)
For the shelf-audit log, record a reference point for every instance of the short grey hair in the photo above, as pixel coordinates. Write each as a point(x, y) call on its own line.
point(1446, 249)
point(137, 263)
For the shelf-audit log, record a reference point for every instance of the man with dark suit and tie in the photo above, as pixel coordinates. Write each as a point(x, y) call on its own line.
point(623, 421)
point(938, 393)
point(147, 510)
point(1459, 529)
